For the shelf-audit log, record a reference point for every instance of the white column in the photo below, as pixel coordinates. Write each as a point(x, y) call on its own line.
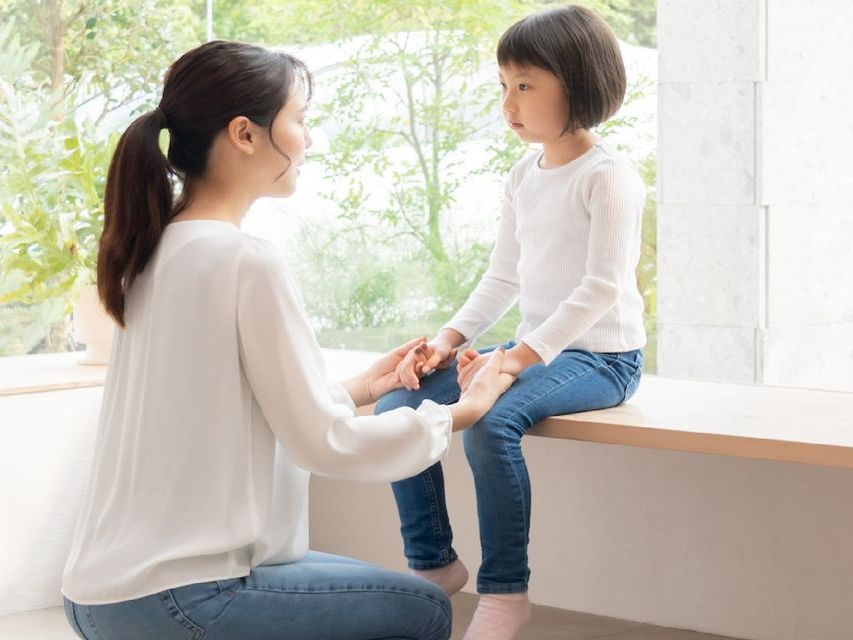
point(755, 222)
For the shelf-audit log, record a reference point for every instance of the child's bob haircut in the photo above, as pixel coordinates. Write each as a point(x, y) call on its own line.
point(578, 47)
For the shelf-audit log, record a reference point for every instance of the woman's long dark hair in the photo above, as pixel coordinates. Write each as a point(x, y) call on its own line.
point(203, 91)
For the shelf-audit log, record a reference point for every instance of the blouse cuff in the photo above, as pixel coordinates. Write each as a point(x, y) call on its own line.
point(441, 419)
point(340, 396)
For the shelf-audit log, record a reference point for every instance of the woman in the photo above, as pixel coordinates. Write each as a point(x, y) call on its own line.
point(216, 406)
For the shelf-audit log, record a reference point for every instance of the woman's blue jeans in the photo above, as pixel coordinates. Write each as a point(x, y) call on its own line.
point(322, 597)
point(575, 381)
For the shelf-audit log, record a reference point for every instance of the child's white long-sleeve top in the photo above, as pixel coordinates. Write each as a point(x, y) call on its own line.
point(567, 249)
point(215, 409)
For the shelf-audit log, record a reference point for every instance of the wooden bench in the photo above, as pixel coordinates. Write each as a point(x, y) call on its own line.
point(747, 421)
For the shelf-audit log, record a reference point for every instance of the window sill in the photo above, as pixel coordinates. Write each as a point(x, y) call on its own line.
point(769, 423)
point(47, 372)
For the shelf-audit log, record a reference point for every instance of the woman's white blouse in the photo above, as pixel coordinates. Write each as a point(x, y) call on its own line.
point(215, 410)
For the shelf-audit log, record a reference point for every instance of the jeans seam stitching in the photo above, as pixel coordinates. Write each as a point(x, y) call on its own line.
point(167, 598)
point(422, 596)
point(436, 524)
point(524, 505)
point(91, 620)
point(560, 386)
point(77, 627)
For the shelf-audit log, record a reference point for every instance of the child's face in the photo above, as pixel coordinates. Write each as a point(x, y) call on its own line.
point(534, 103)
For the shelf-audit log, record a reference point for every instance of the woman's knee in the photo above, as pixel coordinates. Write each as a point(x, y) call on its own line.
point(438, 619)
point(425, 609)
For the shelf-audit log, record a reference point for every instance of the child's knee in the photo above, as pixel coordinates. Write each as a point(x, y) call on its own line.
point(491, 434)
point(396, 399)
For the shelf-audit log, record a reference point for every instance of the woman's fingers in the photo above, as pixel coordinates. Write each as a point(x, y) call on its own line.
point(467, 373)
point(507, 380)
point(496, 358)
point(407, 371)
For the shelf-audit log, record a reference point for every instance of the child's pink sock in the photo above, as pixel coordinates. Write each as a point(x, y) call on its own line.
point(499, 616)
point(451, 577)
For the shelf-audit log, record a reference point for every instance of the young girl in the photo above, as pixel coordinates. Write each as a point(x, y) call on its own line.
point(567, 248)
point(216, 406)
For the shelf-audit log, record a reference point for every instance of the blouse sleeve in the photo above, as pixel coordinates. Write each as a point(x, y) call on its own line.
point(316, 424)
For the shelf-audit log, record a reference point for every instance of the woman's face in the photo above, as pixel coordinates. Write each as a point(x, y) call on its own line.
point(290, 134)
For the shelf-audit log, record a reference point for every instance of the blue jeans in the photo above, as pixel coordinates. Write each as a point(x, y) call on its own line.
point(575, 381)
point(322, 597)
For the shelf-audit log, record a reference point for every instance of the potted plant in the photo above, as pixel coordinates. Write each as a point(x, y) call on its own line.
point(52, 217)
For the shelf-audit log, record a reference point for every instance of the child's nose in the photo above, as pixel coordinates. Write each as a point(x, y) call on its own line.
point(508, 103)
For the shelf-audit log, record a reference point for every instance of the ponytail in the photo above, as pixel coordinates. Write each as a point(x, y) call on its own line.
point(137, 207)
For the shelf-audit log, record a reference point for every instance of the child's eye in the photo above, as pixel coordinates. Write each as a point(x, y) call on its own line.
point(503, 85)
point(523, 87)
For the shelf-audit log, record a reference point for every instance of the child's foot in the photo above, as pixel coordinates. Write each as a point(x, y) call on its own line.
point(499, 616)
point(451, 577)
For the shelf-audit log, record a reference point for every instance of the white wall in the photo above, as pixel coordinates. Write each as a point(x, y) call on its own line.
point(46, 444)
point(750, 549)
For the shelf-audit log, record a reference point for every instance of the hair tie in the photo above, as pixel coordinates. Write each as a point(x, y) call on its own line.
point(164, 122)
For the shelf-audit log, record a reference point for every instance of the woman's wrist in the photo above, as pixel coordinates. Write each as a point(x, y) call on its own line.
point(466, 412)
point(358, 389)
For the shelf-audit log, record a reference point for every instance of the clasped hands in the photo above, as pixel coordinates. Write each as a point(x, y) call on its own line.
point(482, 378)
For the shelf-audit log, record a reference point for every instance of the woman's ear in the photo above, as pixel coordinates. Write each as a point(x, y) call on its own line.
point(242, 134)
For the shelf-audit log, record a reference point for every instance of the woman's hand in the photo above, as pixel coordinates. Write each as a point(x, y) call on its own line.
point(422, 359)
point(483, 387)
point(382, 376)
point(516, 360)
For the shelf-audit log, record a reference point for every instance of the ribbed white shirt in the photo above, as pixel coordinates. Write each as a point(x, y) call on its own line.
point(215, 409)
point(567, 249)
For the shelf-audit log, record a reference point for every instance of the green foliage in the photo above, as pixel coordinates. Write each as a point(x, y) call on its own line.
point(54, 178)
point(633, 21)
point(71, 71)
point(431, 74)
point(440, 102)
point(394, 265)
point(111, 52)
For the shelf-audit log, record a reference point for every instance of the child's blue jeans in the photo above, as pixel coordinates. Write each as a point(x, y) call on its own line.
point(575, 381)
